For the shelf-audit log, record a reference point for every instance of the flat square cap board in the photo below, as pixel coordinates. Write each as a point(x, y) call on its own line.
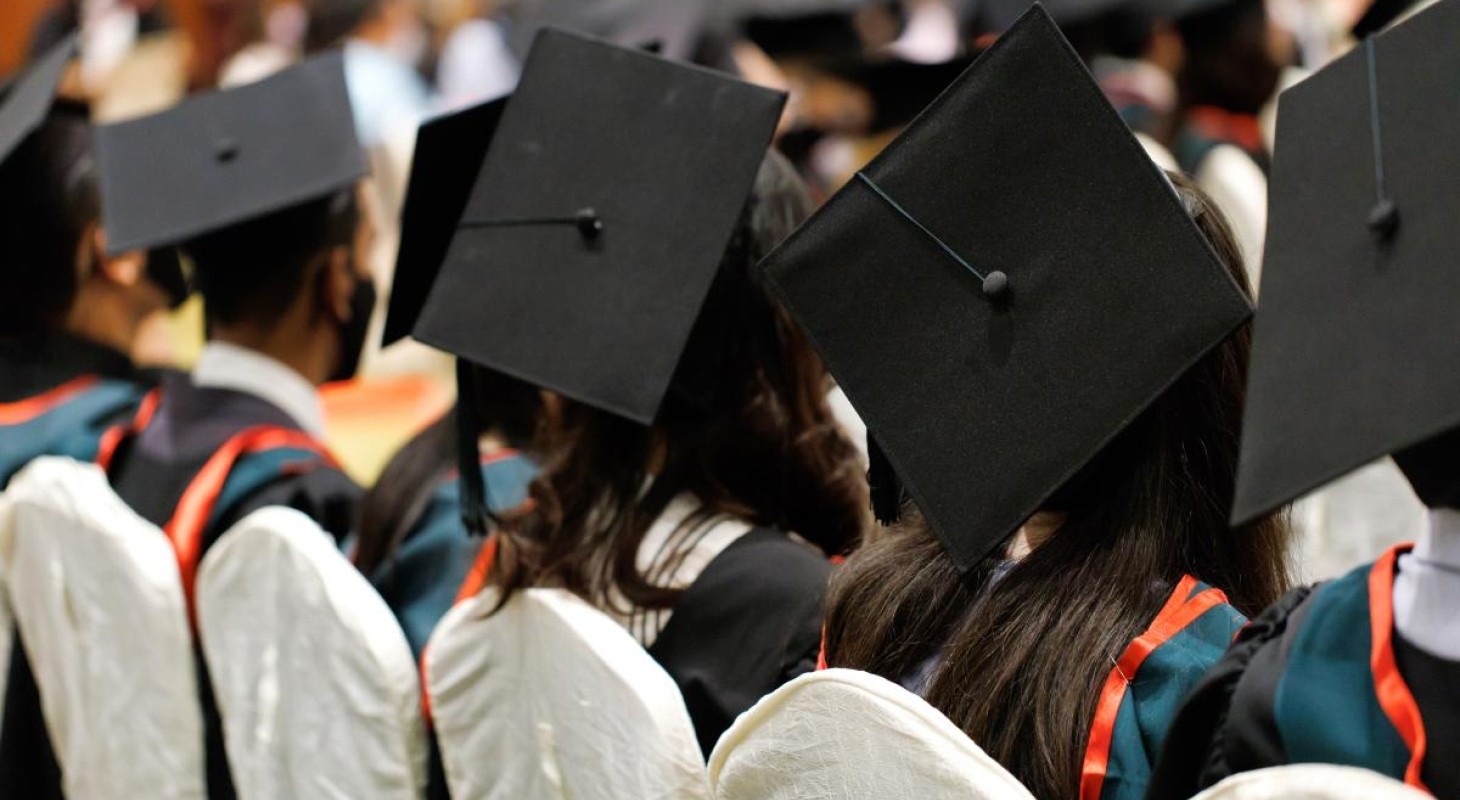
point(27, 97)
point(658, 158)
point(448, 155)
point(1356, 347)
point(230, 156)
point(1005, 288)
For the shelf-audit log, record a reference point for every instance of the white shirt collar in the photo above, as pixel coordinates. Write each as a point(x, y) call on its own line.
point(228, 366)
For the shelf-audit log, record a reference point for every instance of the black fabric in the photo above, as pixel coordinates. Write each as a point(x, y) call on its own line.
point(1435, 684)
point(28, 765)
point(1379, 15)
point(29, 96)
point(748, 624)
point(152, 470)
point(227, 157)
point(1363, 324)
point(986, 406)
point(665, 155)
point(449, 153)
point(34, 365)
point(1226, 725)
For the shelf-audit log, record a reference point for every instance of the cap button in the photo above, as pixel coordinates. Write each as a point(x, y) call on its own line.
point(1384, 219)
point(589, 225)
point(226, 150)
point(995, 284)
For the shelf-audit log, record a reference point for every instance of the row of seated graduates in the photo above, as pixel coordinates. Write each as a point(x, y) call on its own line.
point(592, 427)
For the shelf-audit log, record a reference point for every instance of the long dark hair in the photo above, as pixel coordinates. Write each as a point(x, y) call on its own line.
point(505, 406)
point(1022, 659)
point(746, 430)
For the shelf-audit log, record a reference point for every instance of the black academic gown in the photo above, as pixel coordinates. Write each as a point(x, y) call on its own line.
point(152, 469)
point(33, 365)
point(748, 624)
point(30, 367)
point(1322, 676)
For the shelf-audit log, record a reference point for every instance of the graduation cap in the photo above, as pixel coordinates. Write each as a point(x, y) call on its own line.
point(26, 98)
point(1004, 289)
point(1355, 347)
point(671, 28)
point(449, 152)
point(597, 224)
point(229, 157)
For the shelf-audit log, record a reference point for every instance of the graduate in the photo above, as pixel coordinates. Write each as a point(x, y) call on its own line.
point(605, 255)
point(1047, 339)
point(412, 542)
point(260, 188)
point(1354, 359)
point(70, 312)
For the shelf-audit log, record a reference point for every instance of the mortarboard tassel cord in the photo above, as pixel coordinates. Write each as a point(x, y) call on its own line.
point(1384, 216)
point(995, 283)
point(474, 508)
point(586, 220)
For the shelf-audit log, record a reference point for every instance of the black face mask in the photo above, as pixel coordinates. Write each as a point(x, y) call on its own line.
point(352, 333)
point(1433, 469)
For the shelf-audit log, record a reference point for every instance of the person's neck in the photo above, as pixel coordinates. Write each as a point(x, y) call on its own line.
point(1439, 543)
point(1033, 533)
point(110, 325)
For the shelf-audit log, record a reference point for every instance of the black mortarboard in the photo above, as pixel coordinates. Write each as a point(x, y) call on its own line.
point(28, 97)
point(449, 153)
point(671, 28)
point(598, 221)
point(1379, 14)
point(1005, 288)
point(229, 157)
point(1355, 347)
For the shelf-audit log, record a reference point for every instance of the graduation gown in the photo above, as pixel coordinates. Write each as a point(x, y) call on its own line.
point(749, 621)
point(1144, 689)
point(58, 393)
point(424, 577)
point(194, 461)
point(1321, 676)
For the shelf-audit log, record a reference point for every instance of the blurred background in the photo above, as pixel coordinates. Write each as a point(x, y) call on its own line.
point(1197, 80)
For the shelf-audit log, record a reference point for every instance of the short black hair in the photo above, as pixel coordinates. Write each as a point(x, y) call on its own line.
point(253, 271)
point(49, 201)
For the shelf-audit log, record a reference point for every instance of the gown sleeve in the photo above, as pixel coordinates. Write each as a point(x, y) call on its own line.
point(323, 493)
point(1236, 693)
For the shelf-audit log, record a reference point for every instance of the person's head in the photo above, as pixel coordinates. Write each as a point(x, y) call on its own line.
point(1022, 657)
point(292, 284)
point(745, 429)
point(1228, 57)
point(55, 267)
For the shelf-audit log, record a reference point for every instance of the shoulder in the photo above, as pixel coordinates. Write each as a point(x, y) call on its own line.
point(769, 567)
point(1199, 748)
point(296, 478)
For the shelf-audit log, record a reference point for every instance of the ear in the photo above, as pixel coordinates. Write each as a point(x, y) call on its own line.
point(337, 284)
point(124, 270)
